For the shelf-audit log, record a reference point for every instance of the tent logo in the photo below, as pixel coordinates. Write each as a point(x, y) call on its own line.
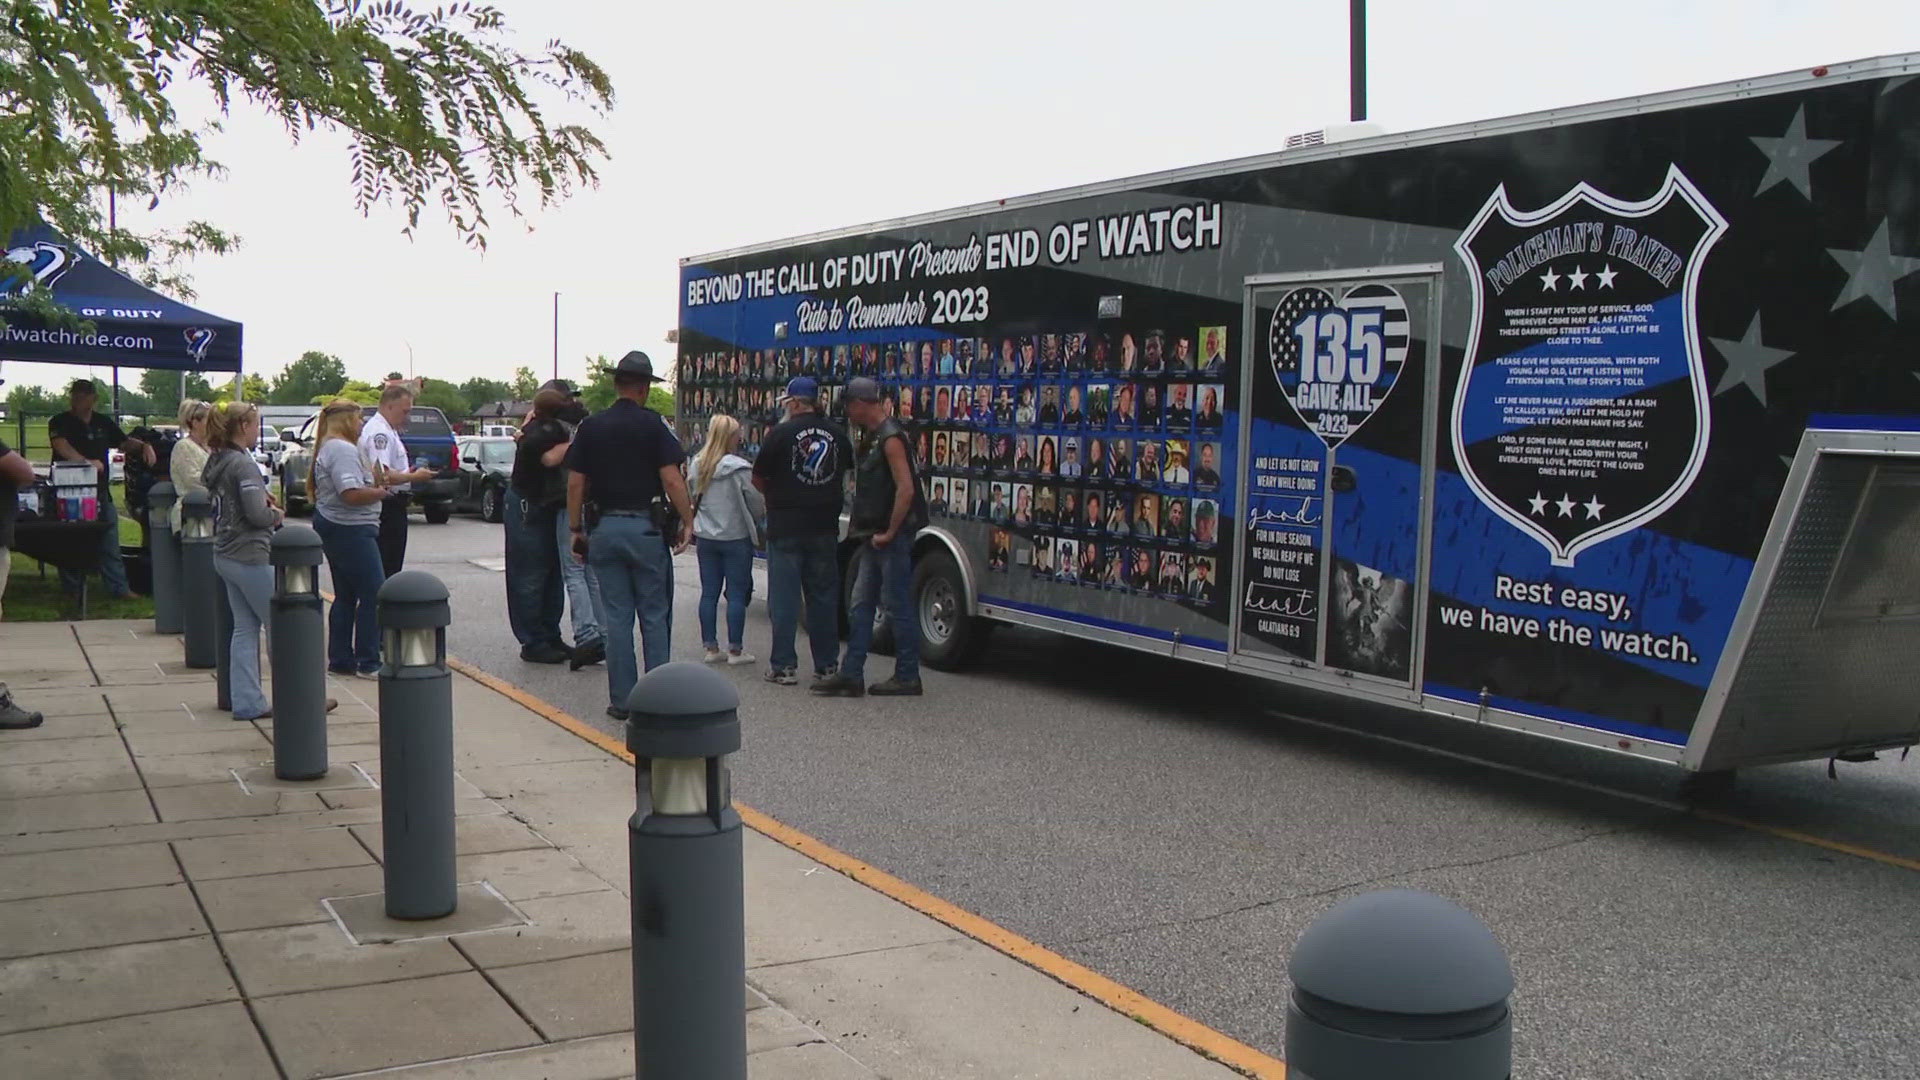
point(198, 339)
point(45, 262)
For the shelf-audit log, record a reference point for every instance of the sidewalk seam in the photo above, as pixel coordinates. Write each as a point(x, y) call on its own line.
point(220, 946)
point(133, 759)
point(487, 977)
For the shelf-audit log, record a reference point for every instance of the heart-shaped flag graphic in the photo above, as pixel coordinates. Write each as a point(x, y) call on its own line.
point(1337, 358)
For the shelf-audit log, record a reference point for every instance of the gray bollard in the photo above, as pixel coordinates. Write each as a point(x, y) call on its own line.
point(163, 553)
point(1399, 983)
point(416, 747)
point(222, 644)
point(299, 646)
point(684, 855)
point(198, 583)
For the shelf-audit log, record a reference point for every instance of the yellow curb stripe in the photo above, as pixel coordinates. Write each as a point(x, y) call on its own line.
point(1128, 1002)
point(1797, 836)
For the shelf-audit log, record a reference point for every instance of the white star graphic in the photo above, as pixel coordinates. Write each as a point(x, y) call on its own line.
point(1606, 277)
point(1549, 279)
point(1594, 506)
point(1538, 503)
point(1791, 155)
point(1578, 279)
point(1871, 272)
point(1747, 361)
point(1566, 505)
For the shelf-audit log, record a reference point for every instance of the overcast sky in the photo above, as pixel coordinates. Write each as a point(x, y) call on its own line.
point(751, 121)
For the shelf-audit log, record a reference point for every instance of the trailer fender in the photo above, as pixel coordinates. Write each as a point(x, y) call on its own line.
point(933, 539)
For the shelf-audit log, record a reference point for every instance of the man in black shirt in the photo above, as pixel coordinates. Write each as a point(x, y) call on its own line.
point(802, 468)
point(626, 461)
point(15, 474)
point(536, 500)
point(80, 434)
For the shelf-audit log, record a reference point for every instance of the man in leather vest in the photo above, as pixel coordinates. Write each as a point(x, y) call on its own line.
point(888, 511)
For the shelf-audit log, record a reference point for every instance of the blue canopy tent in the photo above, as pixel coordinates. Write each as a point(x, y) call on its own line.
point(134, 326)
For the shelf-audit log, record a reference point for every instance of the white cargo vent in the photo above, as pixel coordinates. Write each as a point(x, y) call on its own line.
point(1334, 134)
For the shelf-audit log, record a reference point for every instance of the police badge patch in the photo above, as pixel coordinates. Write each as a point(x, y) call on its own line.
point(380, 440)
point(1582, 407)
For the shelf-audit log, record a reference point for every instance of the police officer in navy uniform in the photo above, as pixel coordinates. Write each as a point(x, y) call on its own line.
point(625, 462)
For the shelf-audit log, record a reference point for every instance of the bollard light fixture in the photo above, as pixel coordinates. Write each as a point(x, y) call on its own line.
point(683, 725)
point(685, 857)
point(416, 647)
point(196, 516)
point(296, 553)
point(298, 645)
point(413, 631)
point(416, 747)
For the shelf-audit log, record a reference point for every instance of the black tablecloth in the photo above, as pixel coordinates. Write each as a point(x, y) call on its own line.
point(66, 545)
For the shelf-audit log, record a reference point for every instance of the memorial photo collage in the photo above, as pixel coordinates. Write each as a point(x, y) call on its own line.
point(1103, 449)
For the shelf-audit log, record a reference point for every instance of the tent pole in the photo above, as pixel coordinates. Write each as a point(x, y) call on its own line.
point(113, 225)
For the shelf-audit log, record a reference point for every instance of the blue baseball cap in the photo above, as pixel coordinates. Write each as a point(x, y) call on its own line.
point(804, 388)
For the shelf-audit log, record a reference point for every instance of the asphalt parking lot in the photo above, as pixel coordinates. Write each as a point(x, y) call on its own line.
point(1176, 830)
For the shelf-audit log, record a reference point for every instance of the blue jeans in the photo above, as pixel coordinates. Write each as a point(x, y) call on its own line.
point(726, 563)
point(113, 572)
point(883, 572)
point(809, 567)
point(635, 569)
point(533, 571)
point(584, 605)
point(249, 592)
point(353, 626)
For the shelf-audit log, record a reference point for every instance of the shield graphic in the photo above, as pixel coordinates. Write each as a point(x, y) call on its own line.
point(1582, 407)
point(1338, 357)
point(198, 339)
point(47, 263)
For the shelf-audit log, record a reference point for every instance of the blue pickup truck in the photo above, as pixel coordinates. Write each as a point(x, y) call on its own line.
point(430, 442)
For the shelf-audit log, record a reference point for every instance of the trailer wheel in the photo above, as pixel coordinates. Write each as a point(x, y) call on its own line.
point(437, 512)
point(950, 639)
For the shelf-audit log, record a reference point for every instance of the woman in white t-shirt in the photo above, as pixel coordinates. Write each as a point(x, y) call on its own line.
point(346, 514)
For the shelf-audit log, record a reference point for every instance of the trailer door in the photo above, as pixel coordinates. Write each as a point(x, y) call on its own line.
point(1339, 399)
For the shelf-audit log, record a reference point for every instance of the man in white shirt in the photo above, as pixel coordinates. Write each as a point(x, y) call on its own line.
point(380, 444)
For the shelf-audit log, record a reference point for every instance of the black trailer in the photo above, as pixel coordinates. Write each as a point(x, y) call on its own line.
point(1600, 424)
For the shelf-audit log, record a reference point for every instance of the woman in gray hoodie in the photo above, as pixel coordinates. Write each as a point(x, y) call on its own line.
point(727, 509)
point(244, 520)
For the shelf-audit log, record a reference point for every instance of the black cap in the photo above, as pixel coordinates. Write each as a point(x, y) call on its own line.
point(561, 385)
point(636, 363)
point(862, 389)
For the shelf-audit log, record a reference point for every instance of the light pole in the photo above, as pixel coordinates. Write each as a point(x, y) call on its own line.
point(1357, 56)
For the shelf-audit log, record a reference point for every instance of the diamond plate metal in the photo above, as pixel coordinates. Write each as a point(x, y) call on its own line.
point(1833, 661)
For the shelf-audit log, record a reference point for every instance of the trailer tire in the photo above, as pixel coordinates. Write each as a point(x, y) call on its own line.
point(437, 513)
point(950, 639)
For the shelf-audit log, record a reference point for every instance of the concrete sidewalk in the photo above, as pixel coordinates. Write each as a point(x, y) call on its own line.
point(167, 909)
